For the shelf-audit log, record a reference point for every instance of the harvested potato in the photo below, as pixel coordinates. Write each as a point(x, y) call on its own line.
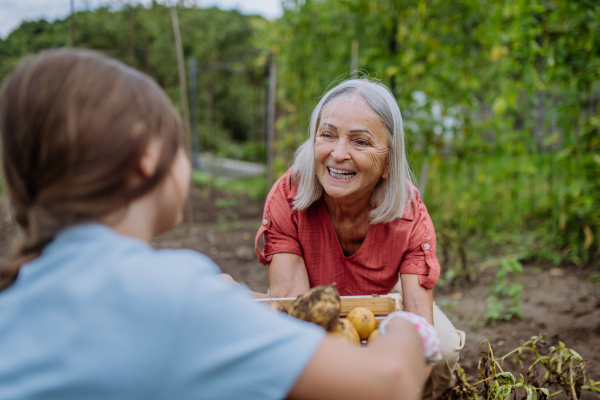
point(363, 320)
point(320, 305)
point(347, 330)
point(276, 305)
point(344, 338)
point(373, 336)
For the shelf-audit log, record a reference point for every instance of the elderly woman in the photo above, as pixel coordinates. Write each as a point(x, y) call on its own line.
point(347, 213)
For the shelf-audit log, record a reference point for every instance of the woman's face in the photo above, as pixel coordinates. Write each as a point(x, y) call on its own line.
point(351, 149)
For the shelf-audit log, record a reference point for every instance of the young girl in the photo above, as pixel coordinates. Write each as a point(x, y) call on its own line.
point(94, 169)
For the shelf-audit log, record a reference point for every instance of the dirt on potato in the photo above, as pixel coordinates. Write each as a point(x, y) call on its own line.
point(320, 305)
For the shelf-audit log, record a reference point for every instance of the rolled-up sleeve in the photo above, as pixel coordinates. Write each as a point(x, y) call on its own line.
point(279, 225)
point(420, 258)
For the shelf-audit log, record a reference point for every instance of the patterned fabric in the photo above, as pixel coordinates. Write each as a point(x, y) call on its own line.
point(429, 337)
point(405, 246)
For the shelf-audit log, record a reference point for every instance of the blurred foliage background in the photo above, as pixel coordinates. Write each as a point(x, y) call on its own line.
point(500, 100)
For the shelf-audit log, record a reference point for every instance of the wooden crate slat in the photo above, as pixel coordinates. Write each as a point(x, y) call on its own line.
point(379, 305)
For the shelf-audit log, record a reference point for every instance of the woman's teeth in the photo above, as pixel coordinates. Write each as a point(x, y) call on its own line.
point(336, 173)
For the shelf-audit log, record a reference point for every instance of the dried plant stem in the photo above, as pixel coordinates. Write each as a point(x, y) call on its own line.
point(481, 381)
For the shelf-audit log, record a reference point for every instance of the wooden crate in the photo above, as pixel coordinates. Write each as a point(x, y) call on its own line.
point(381, 305)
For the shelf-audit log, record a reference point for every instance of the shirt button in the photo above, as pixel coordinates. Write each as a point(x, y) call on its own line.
point(425, 246)
point(265, 222)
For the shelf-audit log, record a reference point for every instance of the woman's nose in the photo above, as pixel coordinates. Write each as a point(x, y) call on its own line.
point(340, 152)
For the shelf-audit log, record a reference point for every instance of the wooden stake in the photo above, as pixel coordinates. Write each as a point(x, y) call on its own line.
point(193, 89)
point(354, 61)
point(271, 121)
point(423, 178)
point(72, 23)
point(132, 34)
point(188, 215)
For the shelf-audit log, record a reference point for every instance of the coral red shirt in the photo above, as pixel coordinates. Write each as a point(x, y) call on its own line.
point(404, 246)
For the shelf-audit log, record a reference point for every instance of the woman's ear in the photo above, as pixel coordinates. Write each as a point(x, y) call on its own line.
point(386, 171)
point(149, 160)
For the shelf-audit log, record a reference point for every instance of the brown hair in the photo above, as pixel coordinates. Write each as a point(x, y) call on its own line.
point(74, 125)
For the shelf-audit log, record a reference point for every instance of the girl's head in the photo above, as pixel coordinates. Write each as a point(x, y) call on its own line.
point(82, 137)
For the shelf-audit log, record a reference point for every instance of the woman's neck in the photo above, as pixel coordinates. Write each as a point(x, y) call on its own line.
point(348, 209)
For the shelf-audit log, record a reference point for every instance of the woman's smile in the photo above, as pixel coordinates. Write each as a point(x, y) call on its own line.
point(341, 174)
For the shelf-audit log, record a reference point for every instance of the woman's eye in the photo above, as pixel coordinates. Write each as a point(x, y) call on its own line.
point(326, 135)
point(362, 143)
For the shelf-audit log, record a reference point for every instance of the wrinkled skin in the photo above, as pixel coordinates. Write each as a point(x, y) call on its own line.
point(351, 137)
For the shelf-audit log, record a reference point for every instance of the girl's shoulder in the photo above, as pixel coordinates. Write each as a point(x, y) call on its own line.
point(97, 252)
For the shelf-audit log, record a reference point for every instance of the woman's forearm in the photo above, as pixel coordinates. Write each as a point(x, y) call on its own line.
point(416, 298)
point(287, 275)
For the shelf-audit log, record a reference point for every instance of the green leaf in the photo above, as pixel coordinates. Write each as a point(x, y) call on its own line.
point(576, 355)
point(499, 105)
point(506, 378)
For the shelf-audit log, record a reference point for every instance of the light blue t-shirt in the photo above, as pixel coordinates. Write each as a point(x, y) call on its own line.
point(103, 316)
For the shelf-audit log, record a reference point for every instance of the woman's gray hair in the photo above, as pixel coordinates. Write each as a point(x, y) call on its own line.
point(391, 196)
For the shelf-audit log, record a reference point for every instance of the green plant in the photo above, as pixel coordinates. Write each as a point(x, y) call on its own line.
point(253, 187)
point(563, 368)
point(225, 202)
point(594, 277)
point(504, 300)
point(500, 102)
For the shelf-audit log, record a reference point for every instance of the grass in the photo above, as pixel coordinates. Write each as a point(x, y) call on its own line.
point(254, 187)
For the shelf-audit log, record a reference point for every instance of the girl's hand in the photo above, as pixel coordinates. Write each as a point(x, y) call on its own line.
point(228, 278)
point(429, 337)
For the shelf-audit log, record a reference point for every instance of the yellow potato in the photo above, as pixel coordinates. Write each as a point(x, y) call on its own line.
point(343, 338)
point(363, 320)
point(373, 336)
point(347, 330)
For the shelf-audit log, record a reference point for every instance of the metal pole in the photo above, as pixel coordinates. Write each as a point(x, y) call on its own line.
point(188, 215)
point(72, 23)
point(193, 87)
point(271, 121)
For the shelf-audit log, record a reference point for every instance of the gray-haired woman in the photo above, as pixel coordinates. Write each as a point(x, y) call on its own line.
point(347, 212)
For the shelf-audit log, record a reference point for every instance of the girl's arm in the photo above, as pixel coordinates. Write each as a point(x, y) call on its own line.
point(393, 367)
point(416, 298)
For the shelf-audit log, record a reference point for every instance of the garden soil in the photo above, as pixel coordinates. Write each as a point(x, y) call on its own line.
point(562, 303)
